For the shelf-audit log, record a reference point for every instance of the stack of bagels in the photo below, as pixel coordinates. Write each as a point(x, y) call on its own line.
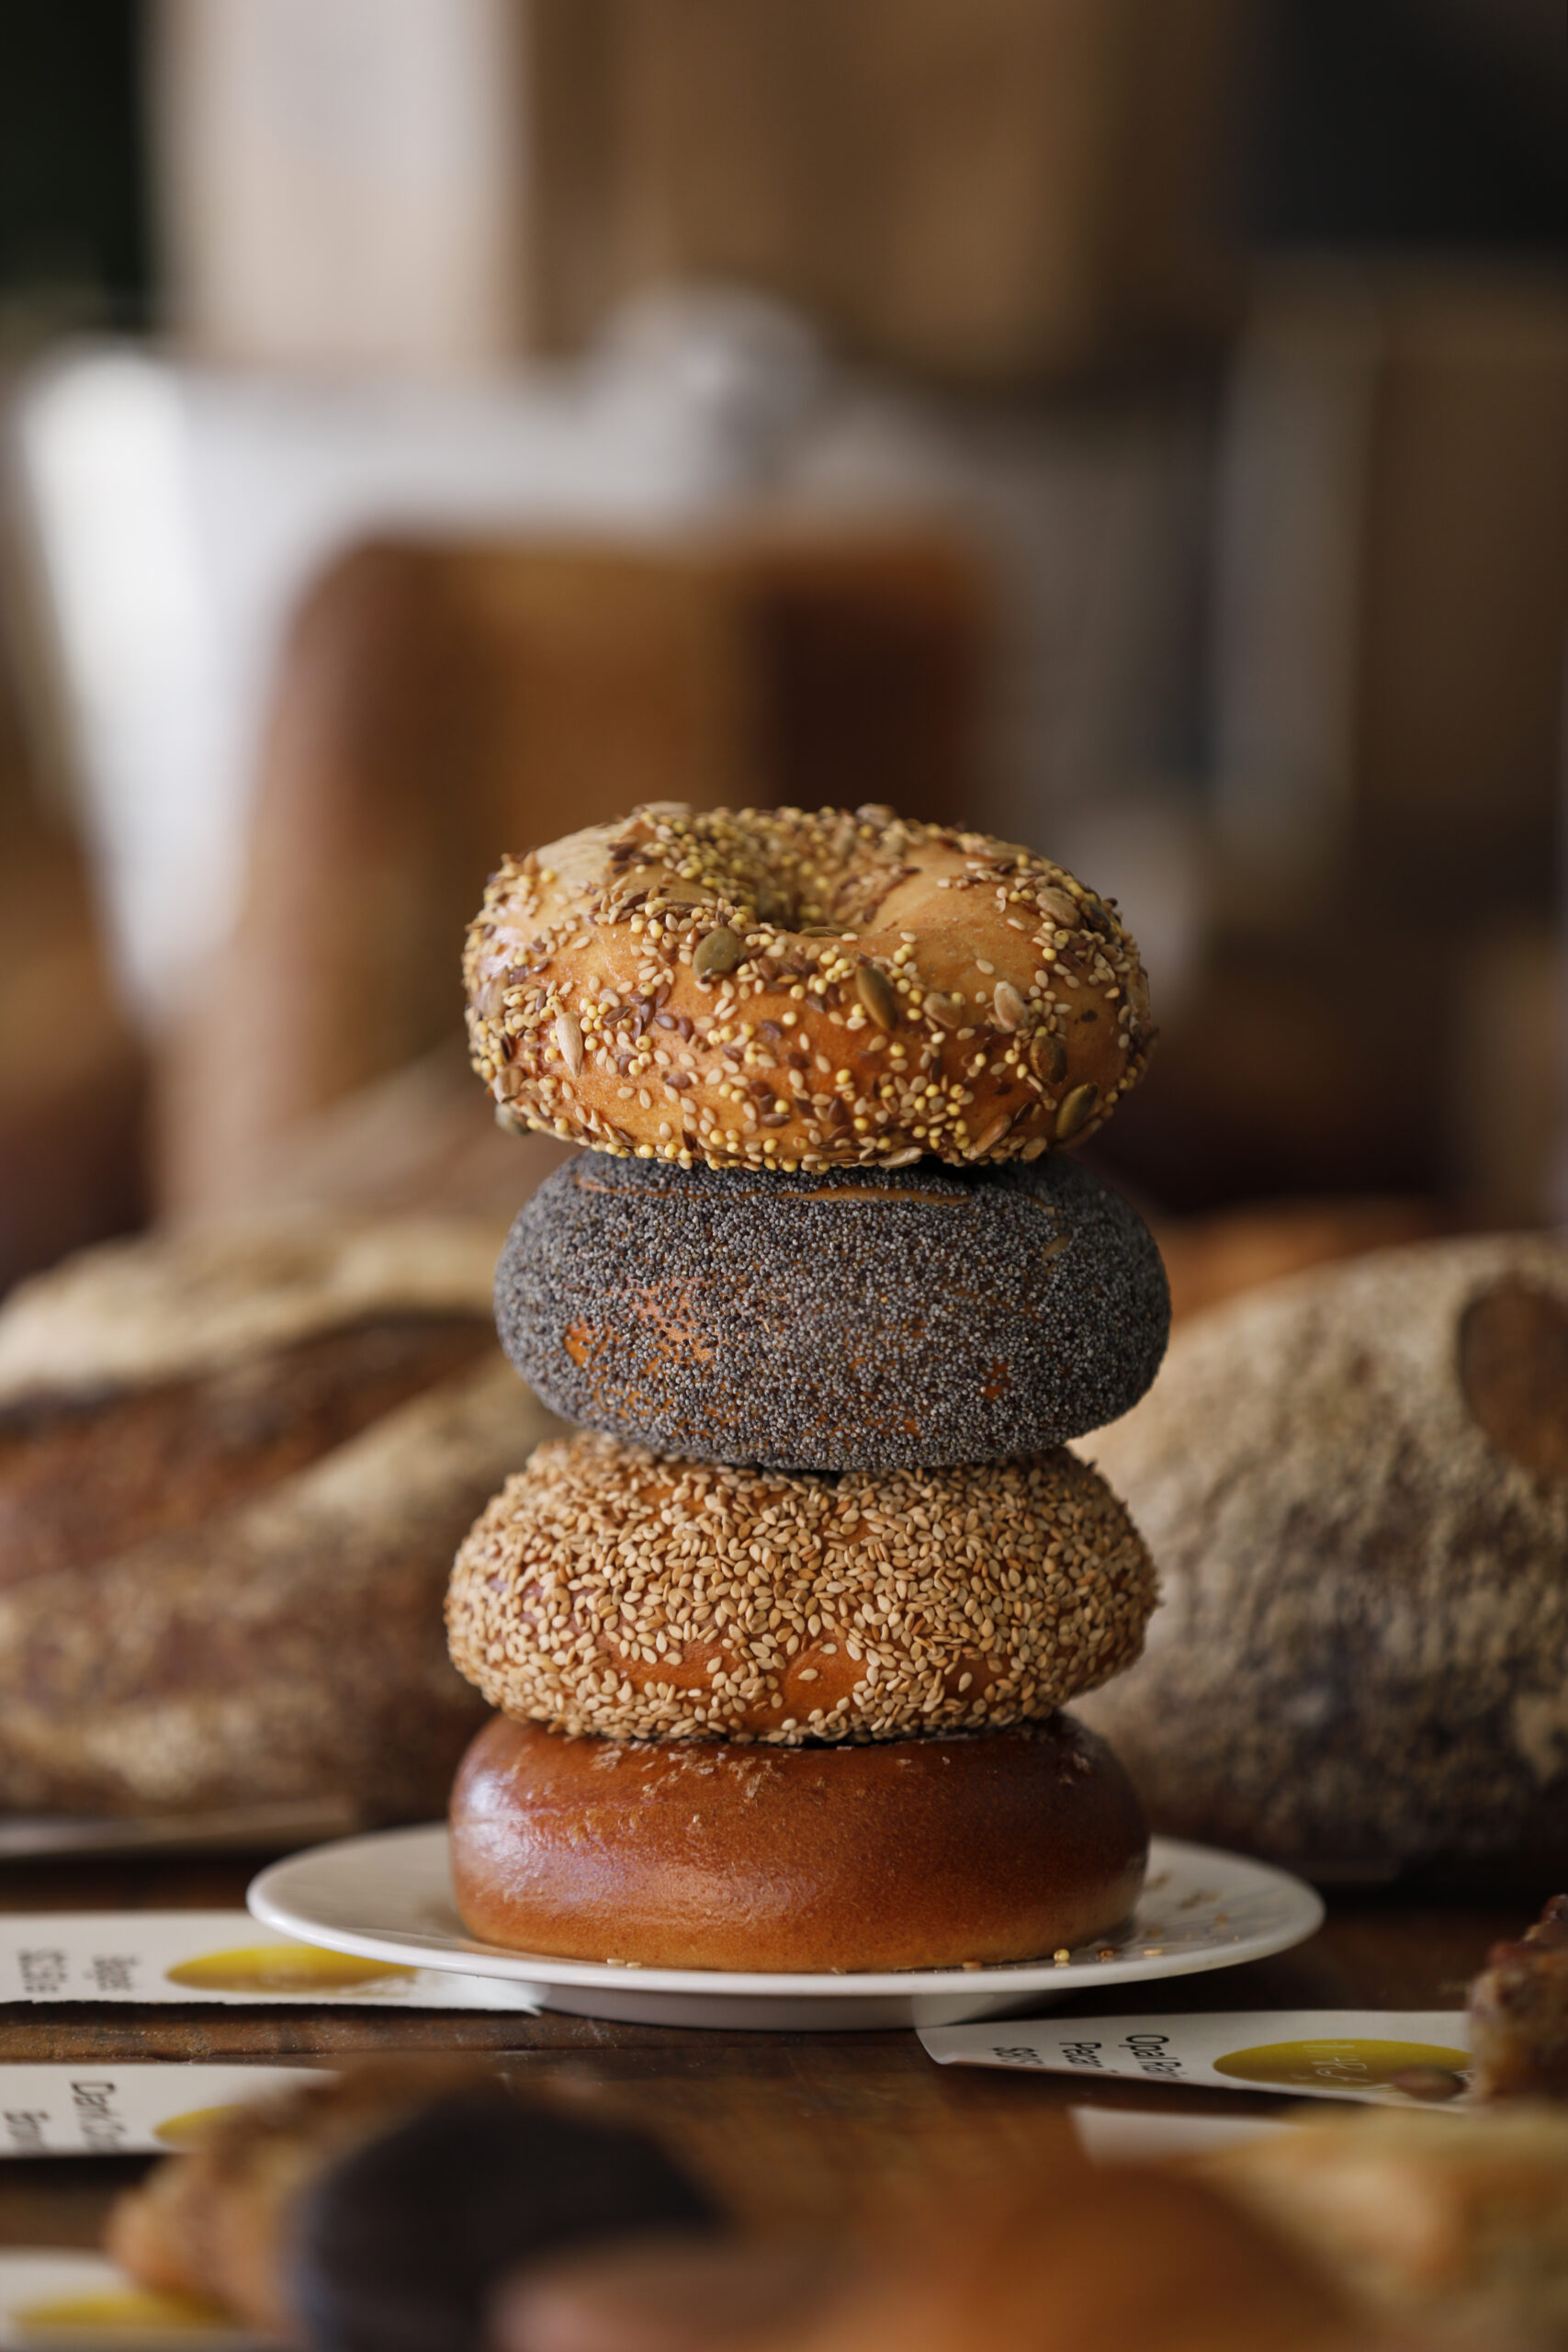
point(779, 1641)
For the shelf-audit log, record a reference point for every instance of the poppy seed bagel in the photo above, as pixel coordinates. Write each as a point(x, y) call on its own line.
point(856, 1319)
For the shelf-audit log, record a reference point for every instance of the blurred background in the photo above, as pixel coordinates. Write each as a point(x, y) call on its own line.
point(1138, 427)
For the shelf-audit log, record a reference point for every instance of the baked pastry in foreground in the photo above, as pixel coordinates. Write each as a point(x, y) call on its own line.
point(857, 1320)
point(1455, 2225)
point(1518, 2013)
point(1073, 2261)
point(608, 1589)
point(910, 1853)
point(774, 988)
point(382, 2207)
point(1355, 1487)
point(234, 1464)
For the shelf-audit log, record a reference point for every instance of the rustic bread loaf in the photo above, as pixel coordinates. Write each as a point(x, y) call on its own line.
point(235, 1465)
point(1355, 1487)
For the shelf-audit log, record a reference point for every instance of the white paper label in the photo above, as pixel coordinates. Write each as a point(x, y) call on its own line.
point(133, 2111)
point(1300, 2053)
point(220, 1956)
point(1121, 2136)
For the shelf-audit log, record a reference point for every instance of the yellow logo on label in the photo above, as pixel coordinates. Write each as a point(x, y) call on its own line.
point(122, 2315)
point(282, 1968)
point(185, 2131)
point(1352, 2064)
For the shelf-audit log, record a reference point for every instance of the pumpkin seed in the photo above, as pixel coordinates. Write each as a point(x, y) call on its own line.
point(876, 993)
point(989, 1137)
point(1047, 1056)
point(1075, 1110)
point(568, 1037)
point(718, 952)
point(1012, 1010)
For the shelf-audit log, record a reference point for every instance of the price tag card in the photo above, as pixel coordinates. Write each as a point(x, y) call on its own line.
point(1394, 2058)
point(131, 2111)
point(215, 1956)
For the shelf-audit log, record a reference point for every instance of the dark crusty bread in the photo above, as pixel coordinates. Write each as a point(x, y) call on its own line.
point(1355, 1487)
point(233, 1467)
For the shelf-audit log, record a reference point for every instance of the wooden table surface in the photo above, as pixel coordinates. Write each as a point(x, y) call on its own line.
point(797, 2130)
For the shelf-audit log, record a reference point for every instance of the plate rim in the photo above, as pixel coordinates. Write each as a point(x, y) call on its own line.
point(472, 1957)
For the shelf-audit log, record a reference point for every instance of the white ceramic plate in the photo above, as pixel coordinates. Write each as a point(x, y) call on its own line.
point(388, 1897)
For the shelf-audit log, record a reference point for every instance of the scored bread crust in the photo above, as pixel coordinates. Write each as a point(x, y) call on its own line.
point(920, 1853)
point(286, 1649)
point(769, 988)
point(1355, 1486)
point(235, 1465)
point(167, 1306)
point(609, 1590)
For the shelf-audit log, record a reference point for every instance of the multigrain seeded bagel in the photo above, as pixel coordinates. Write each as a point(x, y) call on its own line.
point(859, 1319)
point(608, 1589)
point(769, 988)
point(915, 1853)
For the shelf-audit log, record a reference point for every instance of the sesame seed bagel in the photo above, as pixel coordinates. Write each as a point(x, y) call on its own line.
point(609, 1590)
point(769, 988)
point(859, 1319)
point(921, 1853)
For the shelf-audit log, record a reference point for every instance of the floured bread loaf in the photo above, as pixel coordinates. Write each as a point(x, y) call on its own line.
point(235, 1465)
point(1355, 1487)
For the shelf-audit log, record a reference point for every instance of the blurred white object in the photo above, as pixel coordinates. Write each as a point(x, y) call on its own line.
point(178, 515)
point(341, 180)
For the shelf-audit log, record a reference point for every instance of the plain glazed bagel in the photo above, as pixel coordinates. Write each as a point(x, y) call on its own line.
point(608, 1589)
point(769, 988)
point(920, 1853)
point(860, 1319)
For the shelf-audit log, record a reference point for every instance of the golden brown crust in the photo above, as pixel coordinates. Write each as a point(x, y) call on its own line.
point(769, 988)
point(907, 1854)
point(609, 1590)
